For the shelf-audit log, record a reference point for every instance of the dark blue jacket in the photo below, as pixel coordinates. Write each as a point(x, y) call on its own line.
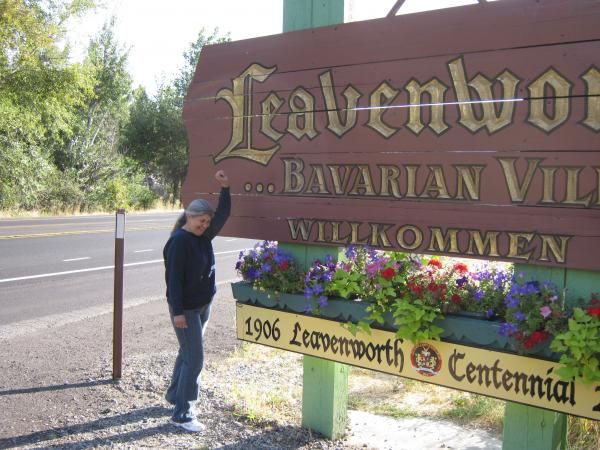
point(190, 262)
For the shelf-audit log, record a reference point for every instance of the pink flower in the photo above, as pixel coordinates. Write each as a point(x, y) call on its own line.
point(545, 311)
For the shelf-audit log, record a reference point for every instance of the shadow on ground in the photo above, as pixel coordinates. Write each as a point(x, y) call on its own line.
point(96, 425)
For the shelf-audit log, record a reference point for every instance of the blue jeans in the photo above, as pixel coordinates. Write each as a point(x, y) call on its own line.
point(185, 381)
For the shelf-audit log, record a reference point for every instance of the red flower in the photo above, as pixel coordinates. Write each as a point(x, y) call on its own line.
point(594, 311)
point(455, 299)
point(388, 273)
point(535, 338)
point(284, 265)
point(461, 267)
point(435, 262)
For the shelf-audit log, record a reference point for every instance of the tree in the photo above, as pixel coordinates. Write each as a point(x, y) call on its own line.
point(92, 153)
point(191, 57)
point(155, 135)
point(39, 95)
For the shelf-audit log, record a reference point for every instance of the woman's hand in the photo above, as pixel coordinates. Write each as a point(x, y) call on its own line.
point(222, 178)
point(179, 321)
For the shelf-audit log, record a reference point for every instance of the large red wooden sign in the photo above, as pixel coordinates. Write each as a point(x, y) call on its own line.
point(469, 131)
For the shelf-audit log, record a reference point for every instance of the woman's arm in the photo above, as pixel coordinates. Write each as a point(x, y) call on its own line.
point(223, 208)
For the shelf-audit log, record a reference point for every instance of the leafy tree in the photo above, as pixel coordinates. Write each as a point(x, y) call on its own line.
point(191, 57)
point(155, 135)
point(39, 95)
point(92, 153)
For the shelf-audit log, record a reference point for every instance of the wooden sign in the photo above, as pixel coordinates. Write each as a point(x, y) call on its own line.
point(505, 376)
point(470, 131)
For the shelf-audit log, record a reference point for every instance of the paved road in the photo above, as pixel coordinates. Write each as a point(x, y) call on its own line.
point(52, 268)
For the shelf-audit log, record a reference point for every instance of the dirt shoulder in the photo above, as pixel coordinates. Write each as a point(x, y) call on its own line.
point(56, 392)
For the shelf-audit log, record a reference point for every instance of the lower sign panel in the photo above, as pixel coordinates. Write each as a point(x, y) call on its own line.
point(505, 376)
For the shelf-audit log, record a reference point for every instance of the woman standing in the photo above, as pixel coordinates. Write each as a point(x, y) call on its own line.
point(190, 277)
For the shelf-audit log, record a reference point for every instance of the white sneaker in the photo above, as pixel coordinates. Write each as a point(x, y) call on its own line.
point(191, 425)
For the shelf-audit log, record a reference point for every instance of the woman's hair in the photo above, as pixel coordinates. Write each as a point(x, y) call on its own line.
point(197, 207)
point(181, 220)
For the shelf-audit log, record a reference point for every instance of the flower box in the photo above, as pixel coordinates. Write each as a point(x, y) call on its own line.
point(466, 329)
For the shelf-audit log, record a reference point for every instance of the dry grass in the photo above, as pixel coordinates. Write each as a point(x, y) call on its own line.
point(267, 387)
point(399, 397)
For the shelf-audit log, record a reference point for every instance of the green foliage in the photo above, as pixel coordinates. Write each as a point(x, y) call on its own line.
point(415, 321)
point(155, 135)
point(580, 347)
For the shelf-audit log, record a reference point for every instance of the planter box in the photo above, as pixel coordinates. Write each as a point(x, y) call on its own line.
point(466, 330)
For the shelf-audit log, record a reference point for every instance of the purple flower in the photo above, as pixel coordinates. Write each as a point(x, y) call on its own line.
point(519, 316)
point(266, 267)
point(252, 273)
point(351, 252)
point(510, 301)
point(308, 292)
point(462, 281)
point(322, 301)
point(478, 295)
point(490, 313)
point(545, 311)
point(507, 328)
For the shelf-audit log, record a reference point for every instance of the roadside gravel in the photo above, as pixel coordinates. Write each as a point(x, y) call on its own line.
point(56, 389)
point(56, 392)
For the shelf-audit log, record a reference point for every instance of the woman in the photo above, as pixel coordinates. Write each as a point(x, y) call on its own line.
point(190, 277)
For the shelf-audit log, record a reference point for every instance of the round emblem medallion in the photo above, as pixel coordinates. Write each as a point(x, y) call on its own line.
point(425, 359)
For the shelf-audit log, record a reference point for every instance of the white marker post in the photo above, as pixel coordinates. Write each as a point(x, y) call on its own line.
point(118, 294)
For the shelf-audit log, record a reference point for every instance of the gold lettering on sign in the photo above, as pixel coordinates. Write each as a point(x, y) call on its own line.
point(597, 186)
point(572, 188)
point(538, 114)
point(417, 237)
point(292, 175)
point(300, 227)
point(489, 118)
point(517, 243)
point(436, 90)
point(548, 184)
point(389, 179)
point(301, 122)
point(522, 245)
point(379, 236)
point(340, 185)
point(355, 239)
point(239, 100)
point(487, 247)
point(435, 186)
point(592, 82)
point(363, 185)
point(559, 252)
point(411, 181)
point(316, 182)
point(447, 243)
point(270, 106)
point(381, 97)
point(333, 113)
point(469, 177)
point(518, 190)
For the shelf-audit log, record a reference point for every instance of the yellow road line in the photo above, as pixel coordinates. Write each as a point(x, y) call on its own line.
point(65, 233)
point(2, 227)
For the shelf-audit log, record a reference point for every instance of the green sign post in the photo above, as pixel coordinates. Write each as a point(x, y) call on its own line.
point(325, 389)
point(325, 383)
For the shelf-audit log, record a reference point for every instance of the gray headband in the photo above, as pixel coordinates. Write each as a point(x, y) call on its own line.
point(199, 207)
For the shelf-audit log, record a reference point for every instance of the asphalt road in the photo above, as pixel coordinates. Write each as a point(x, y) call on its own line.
point(52, 268)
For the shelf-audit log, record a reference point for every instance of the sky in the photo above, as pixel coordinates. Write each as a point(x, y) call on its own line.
point(156, 33)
